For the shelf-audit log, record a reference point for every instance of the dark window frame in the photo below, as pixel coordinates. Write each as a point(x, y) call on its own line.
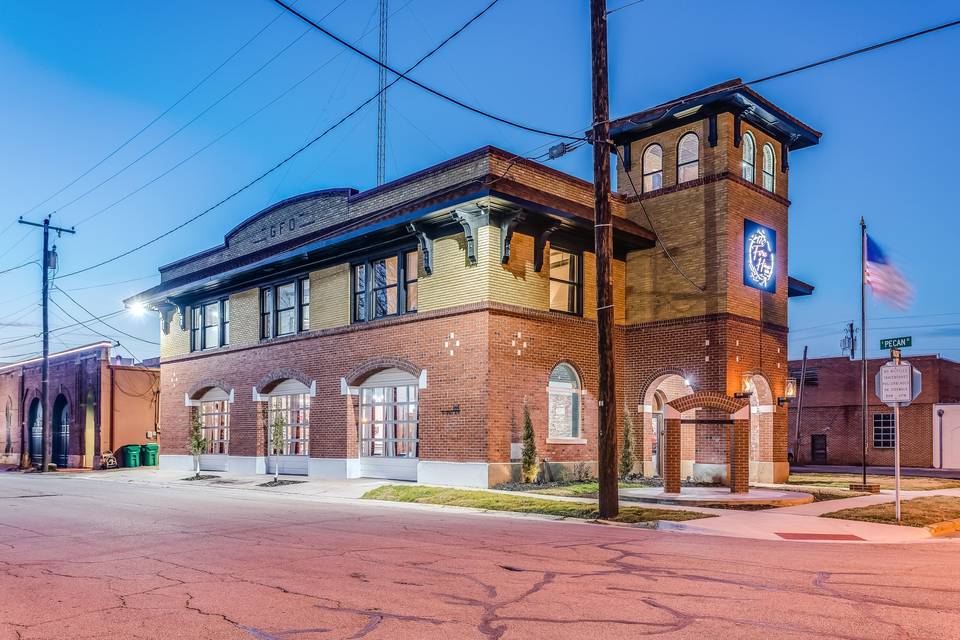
point(884, 431)
point(577, 284)
point(198, 329)
point(301, 308)
point(368, 290)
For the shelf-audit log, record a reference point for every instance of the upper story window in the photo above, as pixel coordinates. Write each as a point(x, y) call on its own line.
point(210, 325)
point(566, 281)
point(285, 308)
point(769, 162)
point(749, 148)
point(688, 158)
point(563, 395)
point(652, 166)
point(385, 286)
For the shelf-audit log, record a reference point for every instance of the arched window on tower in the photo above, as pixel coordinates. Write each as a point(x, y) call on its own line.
point(688, 158)
point(563, 394)
point(769, 162)
point(652, 168)
point(749, 148)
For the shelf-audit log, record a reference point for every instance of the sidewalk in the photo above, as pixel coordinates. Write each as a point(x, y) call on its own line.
point(952, 474)
point(800, 522)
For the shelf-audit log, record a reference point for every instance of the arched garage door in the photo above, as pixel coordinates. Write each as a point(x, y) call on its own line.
point(389, 416)
point(289, 403)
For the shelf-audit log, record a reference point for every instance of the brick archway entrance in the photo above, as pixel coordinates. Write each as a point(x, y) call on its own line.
point(737, 419)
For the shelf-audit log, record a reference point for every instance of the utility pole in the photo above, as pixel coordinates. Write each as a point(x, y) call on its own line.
point(603, 246)
point(45, 367)
point(382, 99)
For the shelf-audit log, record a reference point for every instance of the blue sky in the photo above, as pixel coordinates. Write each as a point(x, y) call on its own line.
point(81, 78)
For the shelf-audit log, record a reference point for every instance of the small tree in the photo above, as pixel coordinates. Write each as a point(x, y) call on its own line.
point(196, 443)
point(276, 443)
point(528, 468)
point(627, 458)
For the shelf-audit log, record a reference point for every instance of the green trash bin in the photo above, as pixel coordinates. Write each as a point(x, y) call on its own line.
point(148, 454)
point(131, 455)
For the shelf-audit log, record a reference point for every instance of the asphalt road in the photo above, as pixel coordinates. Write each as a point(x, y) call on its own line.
point(94, 559)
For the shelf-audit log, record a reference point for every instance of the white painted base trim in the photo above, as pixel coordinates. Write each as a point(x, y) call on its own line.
point(703, 472)
point(172, 462)
point(247, 465)
point(217, 462)
point(453, 474)
point(333, 468)
point(289, 465)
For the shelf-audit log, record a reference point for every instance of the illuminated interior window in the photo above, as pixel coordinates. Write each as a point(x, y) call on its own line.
point(688, 158)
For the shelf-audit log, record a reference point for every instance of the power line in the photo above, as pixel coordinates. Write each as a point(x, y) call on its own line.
point(109, 326)
point(20, 266)
point(419, 84)
point(136, 135)
point(287, 159)
point(625, 6)
point(88, 327)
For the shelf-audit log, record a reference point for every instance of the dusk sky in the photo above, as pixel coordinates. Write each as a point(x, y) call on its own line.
point(81, 78)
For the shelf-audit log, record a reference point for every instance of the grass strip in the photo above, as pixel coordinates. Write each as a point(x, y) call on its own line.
point(918, 512)
point(520, 504)
point(842, 480)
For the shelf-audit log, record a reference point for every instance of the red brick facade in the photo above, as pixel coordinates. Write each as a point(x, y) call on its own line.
point(832, 409)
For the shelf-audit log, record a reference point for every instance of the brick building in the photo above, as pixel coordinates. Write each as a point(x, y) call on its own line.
point(95, 405)
point(831, 428)
point(400, 331)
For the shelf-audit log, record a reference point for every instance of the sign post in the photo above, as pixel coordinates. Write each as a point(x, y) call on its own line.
point(897, 385)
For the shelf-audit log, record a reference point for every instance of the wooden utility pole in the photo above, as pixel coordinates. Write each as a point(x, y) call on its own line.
point(45, 418)
point(603, 245)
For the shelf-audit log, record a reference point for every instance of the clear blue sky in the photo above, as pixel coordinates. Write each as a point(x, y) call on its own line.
point(80, 78)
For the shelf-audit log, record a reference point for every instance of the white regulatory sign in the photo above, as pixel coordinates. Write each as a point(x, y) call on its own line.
point(896, 382)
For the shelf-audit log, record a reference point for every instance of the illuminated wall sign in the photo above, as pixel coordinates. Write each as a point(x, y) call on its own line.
point(759, 256)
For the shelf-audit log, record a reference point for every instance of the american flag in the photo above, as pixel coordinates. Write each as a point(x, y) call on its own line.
point(885, 280)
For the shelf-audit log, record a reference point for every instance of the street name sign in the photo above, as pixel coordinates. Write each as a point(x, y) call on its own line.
point(896, 343)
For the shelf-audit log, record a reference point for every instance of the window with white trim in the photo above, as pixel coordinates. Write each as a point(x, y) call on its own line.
point(769, 162)
point(389, 417)
point(652, 168)
point(884, 433)
point(215, 418)
point(563, 396)
point(749, 149)
point(294, 411)
point(688, 158)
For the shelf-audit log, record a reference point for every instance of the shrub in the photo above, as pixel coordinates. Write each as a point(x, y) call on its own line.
point(627, 457)
point(528, 467)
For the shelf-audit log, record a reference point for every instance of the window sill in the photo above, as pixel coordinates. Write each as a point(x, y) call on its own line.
point(566, 441)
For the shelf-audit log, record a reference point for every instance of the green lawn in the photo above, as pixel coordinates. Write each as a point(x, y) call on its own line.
point(907, 483)
point(918, 512)
point(520, 504)
point(587, 489)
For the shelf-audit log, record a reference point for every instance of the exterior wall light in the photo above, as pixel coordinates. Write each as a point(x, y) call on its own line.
point(789, 391)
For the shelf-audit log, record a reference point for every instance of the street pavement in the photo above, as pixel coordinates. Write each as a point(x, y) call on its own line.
point(86, 558)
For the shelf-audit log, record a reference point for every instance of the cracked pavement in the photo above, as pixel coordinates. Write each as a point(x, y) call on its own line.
point(88, 559)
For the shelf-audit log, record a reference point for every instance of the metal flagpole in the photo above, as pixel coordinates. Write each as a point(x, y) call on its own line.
point(863, 343)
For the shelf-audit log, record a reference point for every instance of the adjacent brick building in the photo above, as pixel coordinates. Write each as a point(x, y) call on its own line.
point(400, 332)
point(95, 405)
point(831, 427)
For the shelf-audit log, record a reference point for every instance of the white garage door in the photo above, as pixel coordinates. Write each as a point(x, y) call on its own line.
point(951, 435)
point(389, 420)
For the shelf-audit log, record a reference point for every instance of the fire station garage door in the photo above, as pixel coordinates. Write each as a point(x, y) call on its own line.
point(389, 412)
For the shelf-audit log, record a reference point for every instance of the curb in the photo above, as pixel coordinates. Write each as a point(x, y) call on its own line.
point(944, 528)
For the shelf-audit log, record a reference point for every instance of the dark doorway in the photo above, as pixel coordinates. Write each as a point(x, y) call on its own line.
point(35, 421)
point(818, 448)
point(61, 431)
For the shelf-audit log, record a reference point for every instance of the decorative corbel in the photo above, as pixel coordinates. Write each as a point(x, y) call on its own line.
point(784, 149)
point(426, 246)
point(166, 315)
point(508, 223)
point(471, 222)
point(540, 244)
point(712, 131)
point(182, 310)
point(736, 130)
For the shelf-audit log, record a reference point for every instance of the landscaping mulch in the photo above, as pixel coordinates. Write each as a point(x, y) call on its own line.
point(280, 483)
point(200, 477)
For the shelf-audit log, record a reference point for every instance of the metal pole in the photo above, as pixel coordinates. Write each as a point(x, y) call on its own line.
point(603, 244)
point(863, 344)
point(896, 454)
point(803, 377)
point(940, 416)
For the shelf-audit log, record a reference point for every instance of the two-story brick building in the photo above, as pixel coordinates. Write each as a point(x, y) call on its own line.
point(400, 331)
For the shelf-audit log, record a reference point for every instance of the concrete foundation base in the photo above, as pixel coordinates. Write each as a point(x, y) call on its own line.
point(709, 473)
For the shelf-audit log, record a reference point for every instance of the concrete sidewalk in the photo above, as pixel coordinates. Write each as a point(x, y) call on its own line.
point(950, 474)
point(785, 523)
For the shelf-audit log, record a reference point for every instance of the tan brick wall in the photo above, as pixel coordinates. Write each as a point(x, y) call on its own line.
point(177, 341)
point(330, 297)
point(517, 283)
point(245, 317)
point(454, 281)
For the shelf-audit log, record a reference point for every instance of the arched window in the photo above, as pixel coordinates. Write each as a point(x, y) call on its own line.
point(289, 402)
point(688, 158)
point(652, 164)
point(749, 148)
point(563, 393)
point(389, 415)
point(769, 162)
point(215, 417)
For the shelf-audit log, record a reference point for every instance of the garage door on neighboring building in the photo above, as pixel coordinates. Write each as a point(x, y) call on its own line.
point(946, 434)
point(289, 402)
point(389, 417)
